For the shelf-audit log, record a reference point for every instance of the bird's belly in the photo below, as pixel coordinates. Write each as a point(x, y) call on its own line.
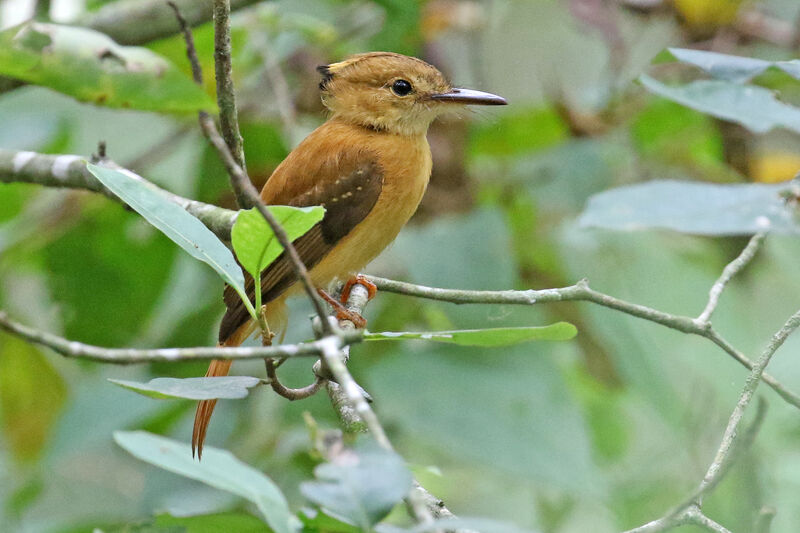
point(395, 206)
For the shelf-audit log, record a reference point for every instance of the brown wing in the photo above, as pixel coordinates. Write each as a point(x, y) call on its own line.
point(348, 188)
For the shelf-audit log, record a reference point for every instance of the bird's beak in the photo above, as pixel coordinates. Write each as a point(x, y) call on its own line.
point(468, 96)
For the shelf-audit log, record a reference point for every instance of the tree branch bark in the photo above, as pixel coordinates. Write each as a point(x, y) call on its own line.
point(69, 171)
point(127, 356)
point(134, 22)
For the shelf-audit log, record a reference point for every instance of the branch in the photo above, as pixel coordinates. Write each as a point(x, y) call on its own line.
point(69, 171)
point(126, 356)
point(355, 413)
point(141, 21)
point(747, 395)
point(728, 273)
point(690, 511)
point(582, 292)
point(226, 97)
point(240, 181)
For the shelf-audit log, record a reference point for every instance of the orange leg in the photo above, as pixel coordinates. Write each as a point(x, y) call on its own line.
point(342, 313)
point(358, 280)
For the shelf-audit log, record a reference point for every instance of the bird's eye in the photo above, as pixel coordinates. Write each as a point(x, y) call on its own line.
point(401, 87)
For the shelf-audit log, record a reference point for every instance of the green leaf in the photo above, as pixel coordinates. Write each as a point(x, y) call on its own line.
point(90, 67)
point(560, 331)
point(255, 243)
point(315, 520)
point(172, 220)
point(219, 469)
point(727, 67)
point(755, 108)
point(361, 485)
point(227, 387)
point(211, 523)
point(696, 208)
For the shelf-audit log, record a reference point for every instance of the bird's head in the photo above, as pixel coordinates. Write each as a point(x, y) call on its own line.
point(392, 92)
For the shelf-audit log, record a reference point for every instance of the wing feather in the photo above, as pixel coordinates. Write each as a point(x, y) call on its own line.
point(348, 187)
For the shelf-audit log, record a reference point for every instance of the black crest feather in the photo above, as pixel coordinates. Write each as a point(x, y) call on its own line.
point(327, 75)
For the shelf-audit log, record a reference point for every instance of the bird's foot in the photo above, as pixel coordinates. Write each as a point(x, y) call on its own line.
point(342, 313)
point(372, 289)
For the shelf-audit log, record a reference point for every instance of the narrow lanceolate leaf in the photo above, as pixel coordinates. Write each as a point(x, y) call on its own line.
point(727, 67)
point(228, 387)
point(90, 67)
point(360, 485)
point(755, 108)
point(184, 229)
point(560, 331)
point(697, 208)
point(254, 242)
point(219, 469)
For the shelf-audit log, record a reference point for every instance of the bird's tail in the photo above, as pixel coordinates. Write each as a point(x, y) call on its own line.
point(276, 315)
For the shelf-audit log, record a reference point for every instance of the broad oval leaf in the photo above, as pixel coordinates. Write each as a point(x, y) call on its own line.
point(225, 387)
point(696, 208)
point(560, 331)
point(755, 108)
point(253, 240)
point(360, 486)
point(728, 67)
point(219, 469)
point(172, 220)
point(90, 67)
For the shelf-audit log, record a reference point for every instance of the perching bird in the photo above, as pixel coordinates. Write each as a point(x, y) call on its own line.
point(368, 165)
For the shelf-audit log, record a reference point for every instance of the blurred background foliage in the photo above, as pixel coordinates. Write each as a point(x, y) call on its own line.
point(599, 434)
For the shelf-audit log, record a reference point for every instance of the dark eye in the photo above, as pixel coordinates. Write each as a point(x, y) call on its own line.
point(401, 87)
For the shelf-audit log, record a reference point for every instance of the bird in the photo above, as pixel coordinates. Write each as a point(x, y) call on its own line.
point(368, 165)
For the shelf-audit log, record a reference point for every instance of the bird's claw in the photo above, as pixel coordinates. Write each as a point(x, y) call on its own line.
point(372, 289)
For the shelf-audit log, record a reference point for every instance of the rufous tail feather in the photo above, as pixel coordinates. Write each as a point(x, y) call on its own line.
point(276, 316)
point(206, 407)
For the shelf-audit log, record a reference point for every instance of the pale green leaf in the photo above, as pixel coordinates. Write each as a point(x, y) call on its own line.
point(225, 387)
point(755, 108)
point(360, 485)
point(172, 220)
point(559, 331)
point(691, 207)
point(254, 242)
point(218, 468)
point(728, 67)
point(90, 67)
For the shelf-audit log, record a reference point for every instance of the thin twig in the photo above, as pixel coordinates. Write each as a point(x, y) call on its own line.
point(240, 181)
point(287, 392)
point(355, 413)
point(226, 97)
point(730, 270)
point(188, 38)
point(750, 387)
point(742, 444)
point(690, 511)
point(125, 356)
point(581, 292)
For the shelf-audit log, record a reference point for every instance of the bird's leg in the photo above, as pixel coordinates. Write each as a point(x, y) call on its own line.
point(342, 313)
point(358, 279)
